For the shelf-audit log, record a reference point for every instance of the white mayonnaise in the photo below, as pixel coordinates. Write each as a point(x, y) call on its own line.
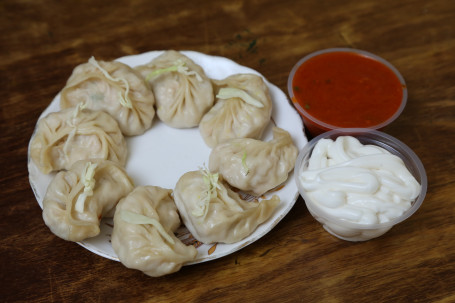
point(359, 183)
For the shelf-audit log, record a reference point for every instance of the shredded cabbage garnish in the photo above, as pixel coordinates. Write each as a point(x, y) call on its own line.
point(70, 138)
point(211, 182)
point(80, 106)
point(179, 66)
point(72, 122)
point(134, 218)
point(231, 92)
point(89, 183)
point(245, 169)
point(124, 100)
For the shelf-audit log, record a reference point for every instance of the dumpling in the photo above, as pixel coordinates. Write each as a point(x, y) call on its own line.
point(74, 134)
point(115, 88)
point(77, 199)
point(143, 237)
point(213, 212)
point(255, 166)
point(242, 110)
point(182, 90)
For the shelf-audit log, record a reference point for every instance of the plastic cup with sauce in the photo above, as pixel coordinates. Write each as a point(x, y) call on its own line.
point(354, 231)
point(346, 88)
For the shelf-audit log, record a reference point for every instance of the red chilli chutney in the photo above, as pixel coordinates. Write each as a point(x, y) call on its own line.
point(345, 89)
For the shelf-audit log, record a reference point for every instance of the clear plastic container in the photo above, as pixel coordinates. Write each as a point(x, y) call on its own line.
point(348, 230)
point(366, 82)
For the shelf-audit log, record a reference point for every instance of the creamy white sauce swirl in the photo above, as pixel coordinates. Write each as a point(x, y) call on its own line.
point(358, 183)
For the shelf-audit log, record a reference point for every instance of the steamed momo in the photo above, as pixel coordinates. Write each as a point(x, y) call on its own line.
point(77, 199)
point(213, 212)
point(115, 88)
point(143, 237)
point(255, 166)
point(182, 90)
point(73, 134)
point(233, 116)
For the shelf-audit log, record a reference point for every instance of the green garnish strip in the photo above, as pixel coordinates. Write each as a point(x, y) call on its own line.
point(231, 92)
point(80, 106)
point(124, 100)
point(211, 182)
point(134, 218)
point(179, 66)
point(245, 169)
point(70, 138)
point(72, 122)
point(89, 183)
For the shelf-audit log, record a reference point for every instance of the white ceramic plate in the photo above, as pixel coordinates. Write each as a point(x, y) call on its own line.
point(163, 154)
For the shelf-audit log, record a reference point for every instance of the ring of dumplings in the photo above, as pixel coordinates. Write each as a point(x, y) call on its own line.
point(232, 112)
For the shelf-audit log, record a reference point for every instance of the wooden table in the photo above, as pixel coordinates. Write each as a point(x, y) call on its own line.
point(42, 41)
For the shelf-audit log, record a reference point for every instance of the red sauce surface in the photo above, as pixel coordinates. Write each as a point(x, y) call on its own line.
point(347, 90)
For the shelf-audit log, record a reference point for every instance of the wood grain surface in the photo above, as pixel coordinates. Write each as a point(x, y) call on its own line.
point(42, 41)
